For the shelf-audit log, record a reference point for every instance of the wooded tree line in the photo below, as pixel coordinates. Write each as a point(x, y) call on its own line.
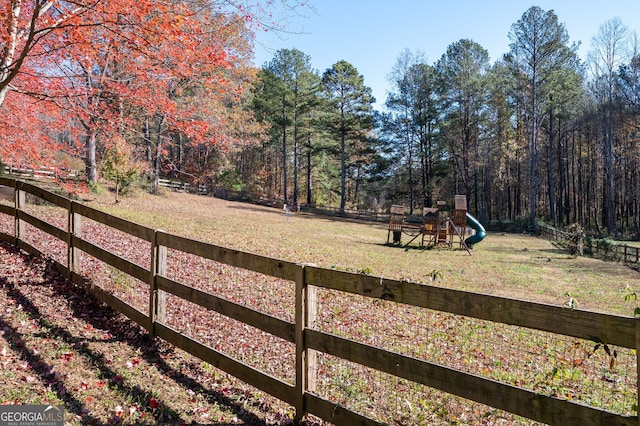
point(171, 78)
point(537, 134)
point(168, 89)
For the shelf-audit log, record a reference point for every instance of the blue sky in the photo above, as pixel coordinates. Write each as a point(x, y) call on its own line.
point(370, 34)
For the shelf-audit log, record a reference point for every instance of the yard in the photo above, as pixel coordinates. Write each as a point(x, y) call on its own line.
point(517, 266)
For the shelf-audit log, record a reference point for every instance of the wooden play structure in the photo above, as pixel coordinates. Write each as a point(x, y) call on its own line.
point(396, 221)
point(440, 226)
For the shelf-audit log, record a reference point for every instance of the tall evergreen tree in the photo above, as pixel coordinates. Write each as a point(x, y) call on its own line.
point(351, 117)
point(502, 186)
point(463, 72)
point(413, 103)
point(564, 96)
point(289, 92)
point(539, 48)
point(271, 104)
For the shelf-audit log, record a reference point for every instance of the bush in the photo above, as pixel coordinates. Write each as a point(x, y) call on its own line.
point(608, 248)
point(231, 180)
point(117, 165)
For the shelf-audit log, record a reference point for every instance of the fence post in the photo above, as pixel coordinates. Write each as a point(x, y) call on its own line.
point(306, 308)
point(157, 298)
point(638, 366)
point(20, 201)
point(75, 230)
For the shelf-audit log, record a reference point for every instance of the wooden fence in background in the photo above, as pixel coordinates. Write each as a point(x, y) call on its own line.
point(615, 330)
point(42, 173)
point(178, 185)
point(598, 248)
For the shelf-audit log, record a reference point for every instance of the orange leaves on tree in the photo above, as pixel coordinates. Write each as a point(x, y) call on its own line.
point(106, 66)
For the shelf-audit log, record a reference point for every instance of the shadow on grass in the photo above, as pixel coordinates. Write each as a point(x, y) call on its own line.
point(101, 317)
point(417, 247)
point(258, 208)
point(406, 247)
point(526, 250)
point(304, 215)
point(558, 251)
point(36, 362)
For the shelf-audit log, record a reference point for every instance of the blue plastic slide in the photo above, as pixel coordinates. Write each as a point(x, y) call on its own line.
point(472, 222)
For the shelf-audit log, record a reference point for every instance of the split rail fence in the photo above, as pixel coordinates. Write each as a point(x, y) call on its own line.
point(42, 173)
point(622, 252)
point(617, 330)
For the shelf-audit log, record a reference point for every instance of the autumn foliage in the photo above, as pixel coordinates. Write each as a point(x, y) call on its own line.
point(157, 73)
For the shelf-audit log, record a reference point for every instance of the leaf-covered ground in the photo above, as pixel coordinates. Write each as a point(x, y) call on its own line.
point(60, 346)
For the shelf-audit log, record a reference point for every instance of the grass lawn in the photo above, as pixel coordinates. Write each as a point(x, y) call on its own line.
point(518, 266)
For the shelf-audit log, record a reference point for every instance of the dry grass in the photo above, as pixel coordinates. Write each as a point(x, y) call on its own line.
point(518, 266)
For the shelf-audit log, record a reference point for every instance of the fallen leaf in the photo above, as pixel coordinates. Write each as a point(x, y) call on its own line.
point(153, 403)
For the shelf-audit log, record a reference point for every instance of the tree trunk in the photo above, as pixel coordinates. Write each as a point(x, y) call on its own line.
point(90, 163)
point(551, 172)
point(284, 151)
point(158, 159)
point(309, 184)
point(343, 166)
point(533, 162)
point(296, 162)
point(609, 187)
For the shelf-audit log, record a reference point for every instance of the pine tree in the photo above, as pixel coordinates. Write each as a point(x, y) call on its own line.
point(351, 117)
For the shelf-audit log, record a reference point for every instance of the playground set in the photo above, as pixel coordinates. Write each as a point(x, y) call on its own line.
point(440, 227)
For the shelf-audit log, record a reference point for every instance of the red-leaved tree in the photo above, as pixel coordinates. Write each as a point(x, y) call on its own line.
point(158, 73)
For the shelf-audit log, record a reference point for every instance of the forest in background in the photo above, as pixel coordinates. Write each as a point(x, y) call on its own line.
point(126, 89)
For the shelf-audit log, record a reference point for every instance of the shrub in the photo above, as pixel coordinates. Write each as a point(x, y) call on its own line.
point(608, 248)
point(117, 165)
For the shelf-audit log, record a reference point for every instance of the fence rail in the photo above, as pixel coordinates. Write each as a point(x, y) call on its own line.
point(607, 250)
point(615, 330)
point(178, 185)
point(42, 173)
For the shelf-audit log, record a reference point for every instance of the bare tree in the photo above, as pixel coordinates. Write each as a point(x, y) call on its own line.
point(607, 54)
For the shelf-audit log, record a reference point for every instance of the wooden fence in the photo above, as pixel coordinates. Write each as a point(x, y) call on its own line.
point(598, 248)
point(615, 330)
point(178, 185)
point(42, 173)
